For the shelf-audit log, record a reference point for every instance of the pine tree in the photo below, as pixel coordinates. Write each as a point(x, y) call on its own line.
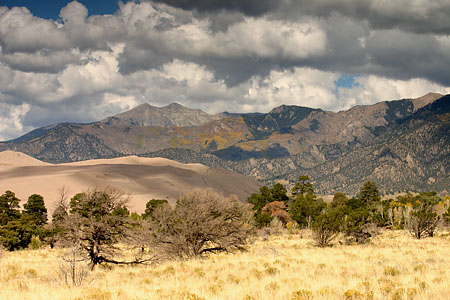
point(35, 208)
point(9, 208)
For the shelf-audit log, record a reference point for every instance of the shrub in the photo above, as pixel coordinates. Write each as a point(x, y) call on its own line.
point(326, 227)
point(358, 228)
point(353, 295)
point(423, 218)
point(151, 206)
point(302, 295)
point(35, 243)
point(277, 209)
point(391, 271)
point(16, 234)
point(202, 221)
point(264, 210)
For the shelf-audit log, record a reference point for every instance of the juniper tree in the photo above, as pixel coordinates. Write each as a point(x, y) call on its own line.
point(95, 225)
point(305, 206)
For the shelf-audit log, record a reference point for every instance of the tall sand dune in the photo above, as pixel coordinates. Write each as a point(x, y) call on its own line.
point(141, 178)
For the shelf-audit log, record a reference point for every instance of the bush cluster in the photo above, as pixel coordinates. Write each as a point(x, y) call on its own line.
point(18, 227)
point(357, 218)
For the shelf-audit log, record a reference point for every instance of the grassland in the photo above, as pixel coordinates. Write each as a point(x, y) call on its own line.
point(392, 266)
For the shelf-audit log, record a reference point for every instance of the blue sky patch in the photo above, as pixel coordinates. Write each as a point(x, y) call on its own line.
point(346, 81)
point(50, 9)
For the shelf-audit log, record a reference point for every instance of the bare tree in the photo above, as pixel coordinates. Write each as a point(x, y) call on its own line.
point(72, 271)
point(55, 228)
point(61, 206)
point(202, 221)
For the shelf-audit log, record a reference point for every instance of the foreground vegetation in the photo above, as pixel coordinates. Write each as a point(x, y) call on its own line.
point(393, 265)
point(207, 246)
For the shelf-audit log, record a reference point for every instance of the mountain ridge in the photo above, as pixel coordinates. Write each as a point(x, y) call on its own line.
point(272, 146)
point(171, 115)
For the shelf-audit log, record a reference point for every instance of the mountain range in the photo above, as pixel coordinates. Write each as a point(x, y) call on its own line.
point(402, 145)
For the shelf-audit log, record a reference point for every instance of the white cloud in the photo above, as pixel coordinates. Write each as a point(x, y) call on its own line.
point(374, 89)
point(100, 73)
point(11, 118)
point(20, 31)
point(300, 86)
point(84, 68)
point(266, 38)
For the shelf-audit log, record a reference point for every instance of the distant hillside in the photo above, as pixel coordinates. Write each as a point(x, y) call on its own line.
point(396, 143)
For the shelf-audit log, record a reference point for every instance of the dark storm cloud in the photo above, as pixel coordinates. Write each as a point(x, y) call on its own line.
point(419, 16)
point(248, 7)
point(248, 55)
point(43, 61)
point(403, 55)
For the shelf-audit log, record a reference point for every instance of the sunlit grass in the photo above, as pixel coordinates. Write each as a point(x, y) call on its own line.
point(393, 266)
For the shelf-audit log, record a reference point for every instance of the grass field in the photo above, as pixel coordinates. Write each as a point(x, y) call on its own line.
point(392, 266)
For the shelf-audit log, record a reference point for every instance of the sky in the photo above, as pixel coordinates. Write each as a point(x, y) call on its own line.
point(81, 61)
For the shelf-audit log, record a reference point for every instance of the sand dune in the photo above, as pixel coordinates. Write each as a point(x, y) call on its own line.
point(14, 159)
point(142, 178)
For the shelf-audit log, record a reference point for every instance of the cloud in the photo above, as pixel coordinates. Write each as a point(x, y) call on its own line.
point(249, 42)
point(248, 7)
point(405, 55)
point(11, 118)
point(218, 56)
point(371, 89)
point(20, 31)
point(419, 16)
point(42, 61)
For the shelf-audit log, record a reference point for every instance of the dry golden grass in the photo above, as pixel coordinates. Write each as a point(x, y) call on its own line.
point(393, 266)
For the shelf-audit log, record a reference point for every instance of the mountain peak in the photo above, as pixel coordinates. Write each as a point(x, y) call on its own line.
point(425, 100)
point(172, 115)
point(285, 107)
point(174, 105)
point(143, 106)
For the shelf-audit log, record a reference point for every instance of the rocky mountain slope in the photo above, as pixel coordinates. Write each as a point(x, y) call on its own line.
point(398, 144)
point(168, 116)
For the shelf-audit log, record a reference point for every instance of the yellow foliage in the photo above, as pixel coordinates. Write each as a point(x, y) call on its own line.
point(393, 266)
point(194, 297)
point(302, 295)
point(353, 295)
